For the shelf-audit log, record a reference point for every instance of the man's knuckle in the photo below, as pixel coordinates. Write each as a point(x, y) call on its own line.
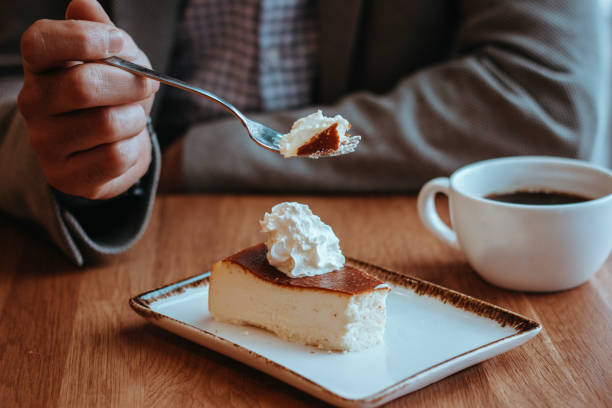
point(108, 122)
point(70, 139)
point(84, 42)
point(28, 42)
point(32, 41)
point(141, 120)
point(142, 88)
point(116, 159)
point(94, 174)
point(149, 87)
point(82, 86)
point(154, 87)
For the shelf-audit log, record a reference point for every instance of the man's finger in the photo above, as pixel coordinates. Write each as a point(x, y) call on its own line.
point(85, 129)
point(87, 10)
point(106, 170)
point(80, 87)
point(91, 10)
point(48, 43)
point(120, 184)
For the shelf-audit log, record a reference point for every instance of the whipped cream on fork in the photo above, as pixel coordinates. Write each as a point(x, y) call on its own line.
point(317, 136)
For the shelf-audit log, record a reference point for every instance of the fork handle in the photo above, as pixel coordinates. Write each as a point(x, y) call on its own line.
point(168, 80)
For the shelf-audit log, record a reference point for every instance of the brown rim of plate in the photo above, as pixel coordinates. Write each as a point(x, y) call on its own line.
point(141, 305)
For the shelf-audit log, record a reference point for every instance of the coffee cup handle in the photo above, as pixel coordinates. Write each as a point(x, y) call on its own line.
point(427, 211)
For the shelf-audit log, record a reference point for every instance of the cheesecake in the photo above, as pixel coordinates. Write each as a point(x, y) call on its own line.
point(342, 310)
point(317, 136)
point(298, 286)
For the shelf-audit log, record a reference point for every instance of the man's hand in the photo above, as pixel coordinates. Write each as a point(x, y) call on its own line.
point(86, 121)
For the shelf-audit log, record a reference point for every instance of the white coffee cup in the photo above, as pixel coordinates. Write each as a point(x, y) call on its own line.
point(525, 247)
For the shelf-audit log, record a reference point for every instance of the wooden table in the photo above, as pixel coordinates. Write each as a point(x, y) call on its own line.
point(69, 338)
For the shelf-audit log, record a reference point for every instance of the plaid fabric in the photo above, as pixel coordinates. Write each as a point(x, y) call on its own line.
point(256, 54)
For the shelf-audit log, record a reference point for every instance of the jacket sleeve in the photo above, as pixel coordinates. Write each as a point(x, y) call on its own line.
point(526, 78)
point(82, 229)
point(79, 229)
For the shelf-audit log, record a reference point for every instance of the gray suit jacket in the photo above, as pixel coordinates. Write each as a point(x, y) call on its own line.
point(430, 86)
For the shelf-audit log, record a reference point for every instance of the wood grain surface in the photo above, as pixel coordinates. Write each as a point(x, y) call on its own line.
point(69, 339)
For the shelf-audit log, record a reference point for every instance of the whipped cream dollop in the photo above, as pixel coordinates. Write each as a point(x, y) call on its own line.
point(307, 137)
point(299, 243)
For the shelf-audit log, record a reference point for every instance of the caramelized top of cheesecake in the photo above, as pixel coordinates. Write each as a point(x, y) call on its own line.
point(326, 141)
point(346, 280)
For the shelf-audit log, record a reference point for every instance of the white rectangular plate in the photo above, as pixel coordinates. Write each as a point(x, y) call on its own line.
point(432, 332)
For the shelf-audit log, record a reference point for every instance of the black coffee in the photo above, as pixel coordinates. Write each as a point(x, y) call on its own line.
point(538, 197)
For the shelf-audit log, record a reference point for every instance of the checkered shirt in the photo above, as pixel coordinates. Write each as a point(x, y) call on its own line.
point(259, 55)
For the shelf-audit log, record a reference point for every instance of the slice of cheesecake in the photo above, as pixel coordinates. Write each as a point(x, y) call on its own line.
point(343, 310)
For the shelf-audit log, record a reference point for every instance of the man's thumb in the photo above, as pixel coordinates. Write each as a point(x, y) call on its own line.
point(87, 10)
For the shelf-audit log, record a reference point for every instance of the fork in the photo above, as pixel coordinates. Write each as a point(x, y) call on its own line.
point(261, 134)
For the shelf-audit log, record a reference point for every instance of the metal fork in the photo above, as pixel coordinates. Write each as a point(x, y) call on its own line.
point(262, 135)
